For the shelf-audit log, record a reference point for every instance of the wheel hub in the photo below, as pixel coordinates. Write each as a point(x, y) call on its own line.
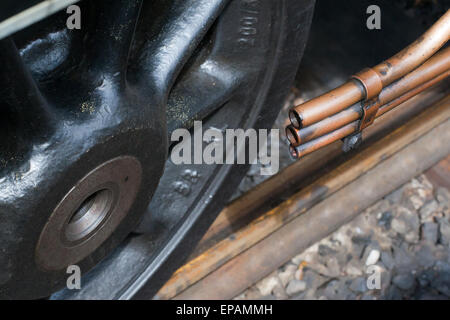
point(89, 213)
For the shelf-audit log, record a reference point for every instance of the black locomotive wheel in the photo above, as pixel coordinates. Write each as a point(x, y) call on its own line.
point(87, 113)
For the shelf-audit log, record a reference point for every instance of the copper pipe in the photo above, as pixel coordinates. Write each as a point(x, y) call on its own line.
point(313, 145)
point(388, 71)
point(297, 137)
point(417, 53)
point(431, 72)
point(326, 105)
point(315, 142)
point(436, 65)
point(396, 102)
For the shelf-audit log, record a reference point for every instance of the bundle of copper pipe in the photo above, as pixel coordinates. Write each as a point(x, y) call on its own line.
point(353, 106)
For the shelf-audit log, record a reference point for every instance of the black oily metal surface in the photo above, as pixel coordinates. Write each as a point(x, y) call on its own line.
point(175, 221)
point(81, 114)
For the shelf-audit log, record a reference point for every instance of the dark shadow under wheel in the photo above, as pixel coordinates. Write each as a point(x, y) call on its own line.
point(87, 115)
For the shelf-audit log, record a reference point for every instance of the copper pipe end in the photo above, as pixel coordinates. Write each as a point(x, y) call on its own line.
point(293, 152)
point(334, 115)
point(292, 136)
point(296, 119)
point(320, 142)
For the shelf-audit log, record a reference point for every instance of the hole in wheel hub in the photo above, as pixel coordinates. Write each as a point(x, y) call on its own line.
point(89, 213)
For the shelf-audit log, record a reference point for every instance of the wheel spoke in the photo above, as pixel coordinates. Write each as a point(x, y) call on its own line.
point(170, 46)
point(19, 93)
point(201, 93)
point(109, 43)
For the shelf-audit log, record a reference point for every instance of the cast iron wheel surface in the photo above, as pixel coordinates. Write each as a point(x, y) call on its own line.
point(85, 120)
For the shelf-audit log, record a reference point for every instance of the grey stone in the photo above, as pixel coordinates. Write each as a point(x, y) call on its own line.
point(404, 281)
point(385, 235)
point(444, 232)
point(415, 195)
point(287, 274)
point(410, 217)
point(443, 196)
point(337, 289)
point(295, 286)
point(407, 224)
point(386, 278)
point(327, 265)
point(399, 226)
point(446, 212)
point(403, 259)
point(442, 284)
point(441, 252)
point(412, 237)
point(393, 293)
point(427, 211)
point(368, 296)
point(309, 294)
point(331, 289)
point(266, 285)
point(333, 268)
point(359, 243)
point(415, 202)
point(425, 182)
point(359, 285)
point(442, 266)
point(353, 268)
point(424, 278)
point(430, 232)
point(430, 296)
point(319, 268)
point(279, 293)
point(313, 279)
point(424, 256)
point(385, 220)
point(326, 250)
point(441, 279)
point(387, 259)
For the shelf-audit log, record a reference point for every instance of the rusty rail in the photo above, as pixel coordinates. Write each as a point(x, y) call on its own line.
point(243, 255)
point(335, 115)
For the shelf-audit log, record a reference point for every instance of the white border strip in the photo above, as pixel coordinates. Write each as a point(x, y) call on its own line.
point(32, 15)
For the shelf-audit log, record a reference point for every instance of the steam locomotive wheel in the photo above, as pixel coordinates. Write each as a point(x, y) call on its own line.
point(85, 173)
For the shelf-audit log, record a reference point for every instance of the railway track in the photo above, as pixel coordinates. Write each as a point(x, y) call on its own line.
point(254, 234)
point(308, 200)
point(258, 231)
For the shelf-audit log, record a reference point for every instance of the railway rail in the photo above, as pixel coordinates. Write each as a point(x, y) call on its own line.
point(258, 232)
point(251, 238)
point(127, 214)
